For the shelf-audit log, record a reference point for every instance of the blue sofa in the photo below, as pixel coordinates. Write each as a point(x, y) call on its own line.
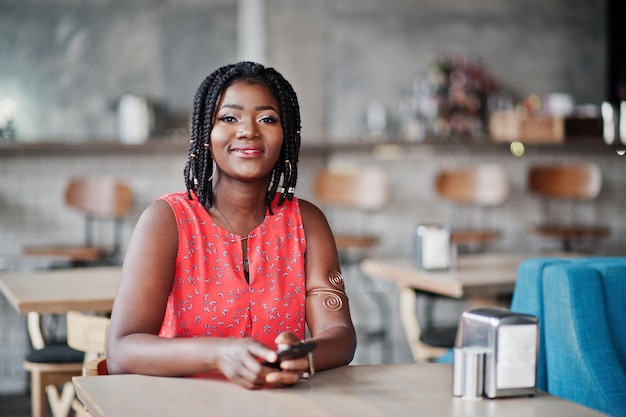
point(581, 306)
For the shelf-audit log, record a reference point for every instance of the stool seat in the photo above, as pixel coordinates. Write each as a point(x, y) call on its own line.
point(570, 232)
point(55, 353)
point(345, 242)
point(68, 253)
point(469, 237)
point(564, 191)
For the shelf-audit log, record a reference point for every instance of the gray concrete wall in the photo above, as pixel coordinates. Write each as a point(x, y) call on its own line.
point(66, 63)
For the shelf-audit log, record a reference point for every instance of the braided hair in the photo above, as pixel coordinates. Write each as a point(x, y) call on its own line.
point(199, 167)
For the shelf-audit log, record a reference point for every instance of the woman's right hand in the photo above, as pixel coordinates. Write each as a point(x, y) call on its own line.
point(240, 361)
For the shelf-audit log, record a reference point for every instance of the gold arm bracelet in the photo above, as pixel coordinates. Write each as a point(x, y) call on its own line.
point(332, 297)
point(332, 300)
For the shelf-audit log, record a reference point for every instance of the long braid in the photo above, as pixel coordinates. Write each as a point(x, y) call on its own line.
point(287, 166)
point(199, 167)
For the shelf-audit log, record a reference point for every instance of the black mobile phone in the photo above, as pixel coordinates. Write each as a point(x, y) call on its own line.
point(292, 352)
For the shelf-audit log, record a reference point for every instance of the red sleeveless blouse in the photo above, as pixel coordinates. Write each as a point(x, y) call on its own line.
point(210, 295)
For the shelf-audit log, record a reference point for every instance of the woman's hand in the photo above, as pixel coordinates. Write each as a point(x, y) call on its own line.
point(291, 370)
point(239, 361)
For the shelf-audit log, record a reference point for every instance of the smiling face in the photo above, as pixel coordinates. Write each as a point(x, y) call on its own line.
point(247, 132)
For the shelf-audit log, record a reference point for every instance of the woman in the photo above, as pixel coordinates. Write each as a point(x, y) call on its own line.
point(216, 277)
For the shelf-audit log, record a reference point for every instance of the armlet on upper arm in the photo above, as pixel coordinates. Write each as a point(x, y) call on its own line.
point(333, 295)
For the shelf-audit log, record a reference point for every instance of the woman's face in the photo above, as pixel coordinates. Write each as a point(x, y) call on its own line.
point(247, 132)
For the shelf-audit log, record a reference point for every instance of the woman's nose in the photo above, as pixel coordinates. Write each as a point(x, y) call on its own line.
point(248, 129)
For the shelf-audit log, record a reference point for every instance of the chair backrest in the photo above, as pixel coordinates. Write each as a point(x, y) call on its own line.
point(482, 185)
point(582, 340)
point(579, 181)
point(105, 197)
point(87, 333)
point(366, 189)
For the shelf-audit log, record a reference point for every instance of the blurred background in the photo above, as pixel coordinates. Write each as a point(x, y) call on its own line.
point(369, 75)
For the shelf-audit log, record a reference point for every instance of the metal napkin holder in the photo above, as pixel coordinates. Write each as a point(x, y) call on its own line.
point(433, 247)
point(496, 354)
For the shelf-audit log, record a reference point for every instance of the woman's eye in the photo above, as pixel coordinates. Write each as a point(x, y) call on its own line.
point(227, 118)
point(269, 119)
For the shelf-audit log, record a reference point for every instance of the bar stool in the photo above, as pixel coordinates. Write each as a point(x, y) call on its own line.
point(472, 191)
point(565, 190)
point(352, 194)
point(103, 201)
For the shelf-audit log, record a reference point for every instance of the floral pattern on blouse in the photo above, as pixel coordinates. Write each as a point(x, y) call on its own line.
point(210, 295)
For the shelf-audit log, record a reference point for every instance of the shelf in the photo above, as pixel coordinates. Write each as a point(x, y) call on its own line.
point(64, 148)
point(313, 148)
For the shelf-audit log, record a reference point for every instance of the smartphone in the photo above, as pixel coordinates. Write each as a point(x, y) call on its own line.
point(292, 352)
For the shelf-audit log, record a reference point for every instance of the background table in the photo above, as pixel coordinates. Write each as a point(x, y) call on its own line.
point(363, 391)
point(60, 290)
point(476, 276)
point(485, 279)
point(34, 292)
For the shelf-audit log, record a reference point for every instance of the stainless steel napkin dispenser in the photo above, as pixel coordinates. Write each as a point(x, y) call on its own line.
point(432, 247)
point(509, 341)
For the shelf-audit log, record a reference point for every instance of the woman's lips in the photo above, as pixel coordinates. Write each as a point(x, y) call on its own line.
point(248, 151)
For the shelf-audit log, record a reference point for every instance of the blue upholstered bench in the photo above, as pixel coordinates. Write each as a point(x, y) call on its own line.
point(581, 306)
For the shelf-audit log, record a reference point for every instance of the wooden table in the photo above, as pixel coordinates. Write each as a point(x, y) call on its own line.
point(481, 279)
point(60, 290)
point(362, 390)
point(36, 292)
point(479, 275)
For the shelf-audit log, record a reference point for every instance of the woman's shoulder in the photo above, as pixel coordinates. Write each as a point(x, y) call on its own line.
point(175, 197)
point(170, 205)
point(311, 214)
point(181, 201)
point(308, 207)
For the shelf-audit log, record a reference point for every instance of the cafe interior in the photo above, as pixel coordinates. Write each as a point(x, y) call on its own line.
point(463, 152)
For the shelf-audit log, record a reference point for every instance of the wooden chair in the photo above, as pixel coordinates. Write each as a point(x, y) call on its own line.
point(96, 367)
point(88, 333)
point(564, 190)
point(46, 376)
point(51, 364)
point(472, 191)
point(427, 341)
point(102, 200)
point(350, 195)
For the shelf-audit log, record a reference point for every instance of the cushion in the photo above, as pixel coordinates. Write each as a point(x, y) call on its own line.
point(56, 353)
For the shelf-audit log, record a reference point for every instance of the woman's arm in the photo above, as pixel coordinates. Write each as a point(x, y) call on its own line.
point(133, 342)
point(330, 327)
